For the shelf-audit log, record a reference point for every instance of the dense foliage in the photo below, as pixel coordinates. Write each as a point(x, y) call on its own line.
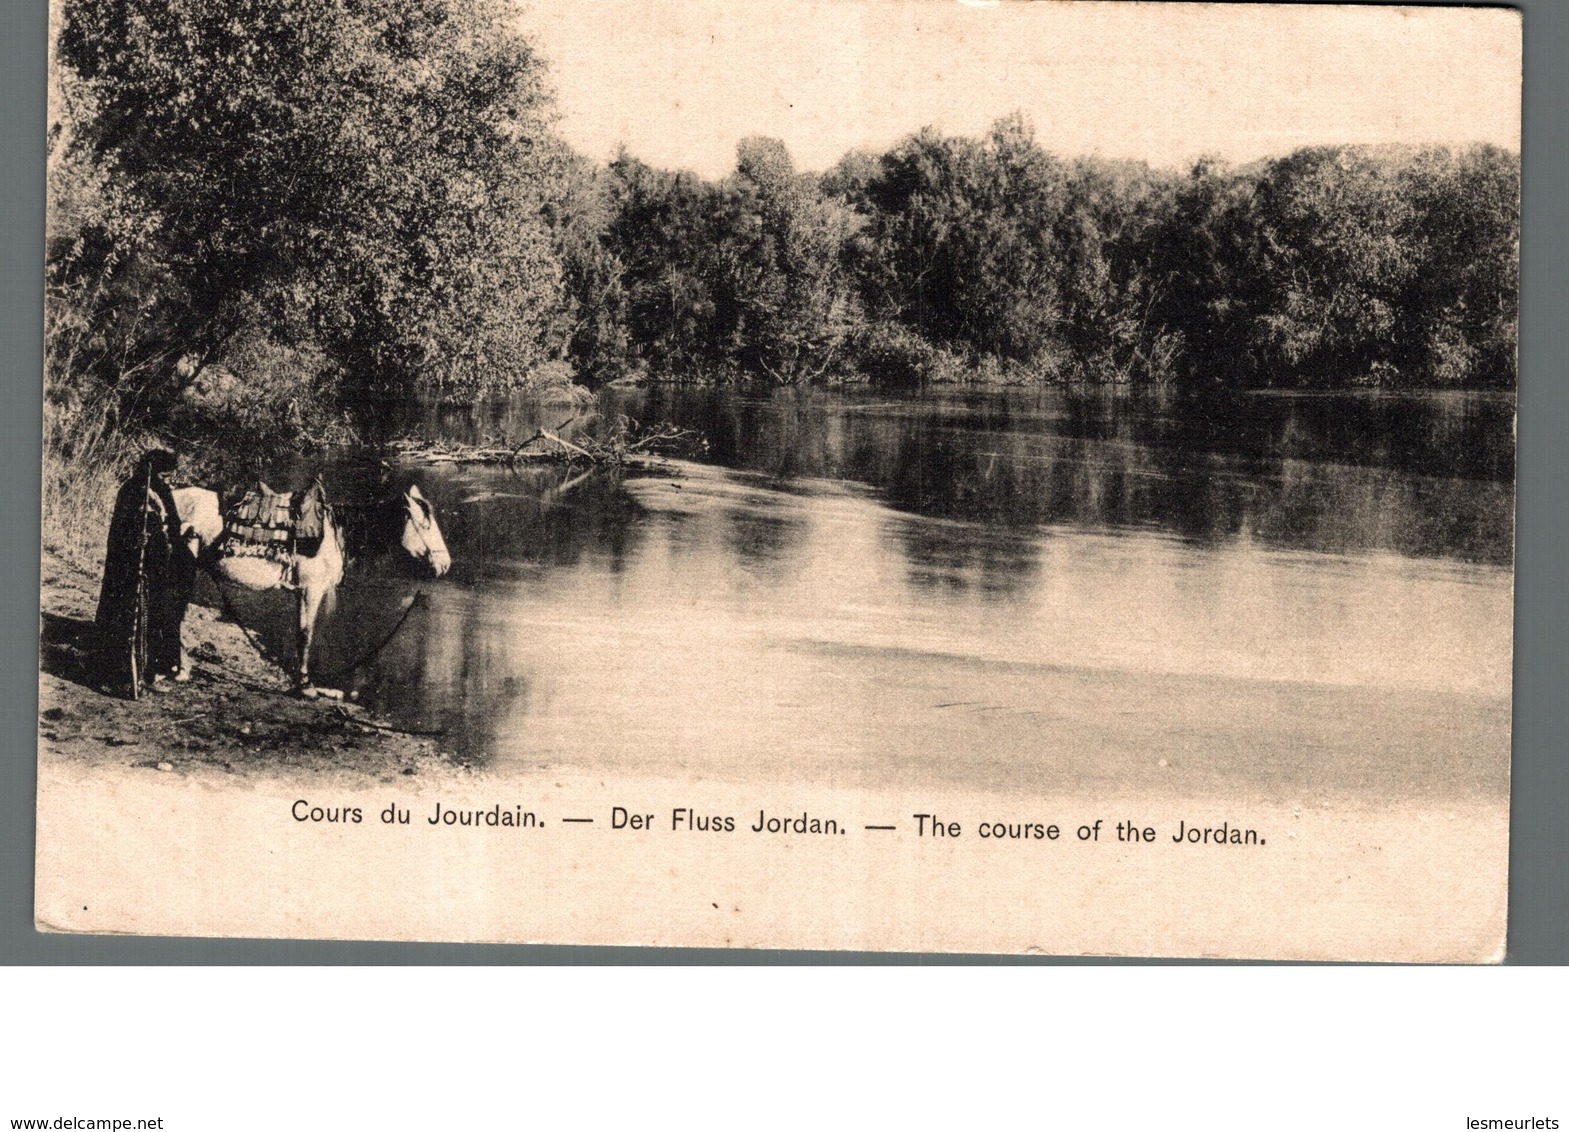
point(364, 177)
point(318, 197)
point(978, 259)
point(680, 277)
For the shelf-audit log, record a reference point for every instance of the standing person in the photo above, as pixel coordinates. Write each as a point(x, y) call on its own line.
point(145, 549)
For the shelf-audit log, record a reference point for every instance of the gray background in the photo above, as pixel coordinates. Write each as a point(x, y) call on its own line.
point(1539, 850)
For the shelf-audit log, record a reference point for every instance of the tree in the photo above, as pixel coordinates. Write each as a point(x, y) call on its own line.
point(665, 233)
point(1205, 261)
point(1465, 297)
point(1333, 223)
point(965, 240)
point(1110, 291)
point(599, 342)
point(368, 173)
point(796, 303)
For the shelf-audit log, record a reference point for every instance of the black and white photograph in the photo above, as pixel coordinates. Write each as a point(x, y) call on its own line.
point(874, 475)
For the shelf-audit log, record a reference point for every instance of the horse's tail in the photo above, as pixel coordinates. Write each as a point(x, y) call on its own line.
point(332, 529)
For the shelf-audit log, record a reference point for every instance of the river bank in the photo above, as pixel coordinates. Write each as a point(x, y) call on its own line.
point(235, 718)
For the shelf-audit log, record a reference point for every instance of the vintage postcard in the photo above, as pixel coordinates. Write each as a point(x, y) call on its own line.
point(897, 475)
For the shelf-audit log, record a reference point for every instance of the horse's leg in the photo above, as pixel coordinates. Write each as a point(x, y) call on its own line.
point(308, 599)
point(185, 585)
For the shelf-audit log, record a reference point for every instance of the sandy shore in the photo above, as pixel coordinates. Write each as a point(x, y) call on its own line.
point(235, 718)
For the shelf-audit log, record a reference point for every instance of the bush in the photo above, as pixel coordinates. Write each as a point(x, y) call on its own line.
point(232, 418)
point(85, 459)
point(894, 357)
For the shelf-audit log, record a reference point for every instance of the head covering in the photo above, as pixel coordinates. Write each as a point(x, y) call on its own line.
point(157, 461)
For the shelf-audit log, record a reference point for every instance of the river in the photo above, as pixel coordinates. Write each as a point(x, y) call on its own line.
point(1279, 597)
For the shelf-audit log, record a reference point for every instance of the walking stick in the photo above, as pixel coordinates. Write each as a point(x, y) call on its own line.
point(138, 641)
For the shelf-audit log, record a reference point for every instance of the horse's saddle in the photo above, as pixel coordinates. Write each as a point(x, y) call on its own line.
point(276, 524)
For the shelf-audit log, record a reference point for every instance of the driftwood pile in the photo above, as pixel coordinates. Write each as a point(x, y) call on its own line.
point(631, 446)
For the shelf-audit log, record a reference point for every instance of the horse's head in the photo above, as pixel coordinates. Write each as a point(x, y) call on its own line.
point(421, 536)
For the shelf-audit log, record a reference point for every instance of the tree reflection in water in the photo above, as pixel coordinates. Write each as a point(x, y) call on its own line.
point(1351, 540)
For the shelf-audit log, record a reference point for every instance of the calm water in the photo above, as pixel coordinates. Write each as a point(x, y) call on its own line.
point(993, 589)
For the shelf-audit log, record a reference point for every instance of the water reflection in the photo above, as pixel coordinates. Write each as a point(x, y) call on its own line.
point(1085, 571)
point(1429, 475)
point(990, 562)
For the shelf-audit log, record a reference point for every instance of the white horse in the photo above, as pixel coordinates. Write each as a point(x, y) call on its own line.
point(408, 522)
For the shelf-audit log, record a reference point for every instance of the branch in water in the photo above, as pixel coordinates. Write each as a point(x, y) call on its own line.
point(629, 447)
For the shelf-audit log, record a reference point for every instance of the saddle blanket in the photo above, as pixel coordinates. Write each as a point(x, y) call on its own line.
point(275, 524)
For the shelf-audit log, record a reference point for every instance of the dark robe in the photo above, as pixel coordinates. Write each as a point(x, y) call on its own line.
point(144, 545)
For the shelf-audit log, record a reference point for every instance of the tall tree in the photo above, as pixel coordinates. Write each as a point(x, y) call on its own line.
point(1465, 299)
point(789, 279)
point(666, 234)
point(1335, 263)
point(366, 172)
point(1109, 288)
point(965, 232)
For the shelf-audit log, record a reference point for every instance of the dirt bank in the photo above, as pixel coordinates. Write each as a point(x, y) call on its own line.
point(236, 716)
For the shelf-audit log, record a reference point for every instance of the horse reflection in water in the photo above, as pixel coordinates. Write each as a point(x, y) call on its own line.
point(406, 523)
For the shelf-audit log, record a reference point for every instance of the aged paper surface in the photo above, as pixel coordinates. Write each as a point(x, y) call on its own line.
point(1041, 480)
